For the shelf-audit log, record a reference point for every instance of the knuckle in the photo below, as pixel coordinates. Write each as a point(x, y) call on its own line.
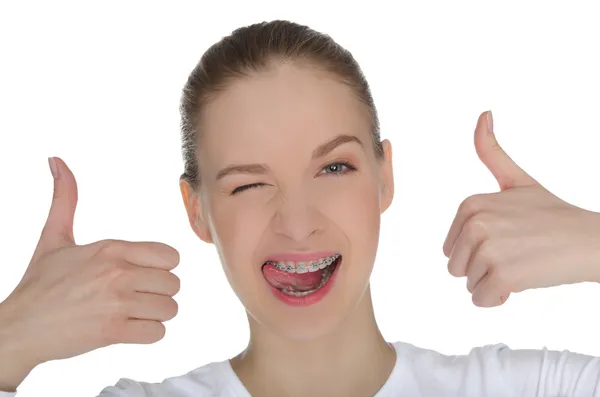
point(472, 204)
point(495, 254)
point(108, 248)
point(118, 304)
point(118, 274)
point(488, 253)
point(477, 227)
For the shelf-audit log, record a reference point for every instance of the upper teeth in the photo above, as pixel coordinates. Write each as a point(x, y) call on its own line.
point(304, 266)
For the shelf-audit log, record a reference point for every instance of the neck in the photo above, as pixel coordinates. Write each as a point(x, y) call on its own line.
point(335, 364)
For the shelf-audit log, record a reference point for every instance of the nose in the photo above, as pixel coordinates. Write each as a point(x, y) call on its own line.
point(297, 218)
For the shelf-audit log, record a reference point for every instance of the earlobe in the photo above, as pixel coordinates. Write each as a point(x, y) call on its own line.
point(387, 172)
point(194, 211)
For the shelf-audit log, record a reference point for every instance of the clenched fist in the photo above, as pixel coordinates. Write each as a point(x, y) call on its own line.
point(77, 298)
point(523, 237)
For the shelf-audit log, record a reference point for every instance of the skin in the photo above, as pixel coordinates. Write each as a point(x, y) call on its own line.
point(113, 291)
point(522, 237)
point(103, 293)
point(282, 115)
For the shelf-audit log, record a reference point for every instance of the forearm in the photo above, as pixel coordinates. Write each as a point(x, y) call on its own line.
point(15, 362)
point(596, 252)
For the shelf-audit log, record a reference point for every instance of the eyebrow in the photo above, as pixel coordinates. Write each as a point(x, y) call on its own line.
point(261, 169)
point(329, 146)
point(258, 169)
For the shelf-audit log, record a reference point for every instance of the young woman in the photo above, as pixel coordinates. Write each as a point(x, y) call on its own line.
point(286, 175)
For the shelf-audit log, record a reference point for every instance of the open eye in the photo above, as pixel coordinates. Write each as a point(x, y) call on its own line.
point(338, 168)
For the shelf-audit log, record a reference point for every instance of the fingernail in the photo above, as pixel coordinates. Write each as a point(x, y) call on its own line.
point(490, 121)
point(53, 167)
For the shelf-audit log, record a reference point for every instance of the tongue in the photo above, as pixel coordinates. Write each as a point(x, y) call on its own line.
point(292, 281)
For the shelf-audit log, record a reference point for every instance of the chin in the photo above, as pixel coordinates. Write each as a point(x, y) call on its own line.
point(300, 326)
point(309, 317)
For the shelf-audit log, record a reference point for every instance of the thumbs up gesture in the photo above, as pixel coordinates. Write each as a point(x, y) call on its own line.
point(520, 238)
point(77, 298)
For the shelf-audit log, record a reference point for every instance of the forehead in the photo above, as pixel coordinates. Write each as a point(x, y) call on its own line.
point(288, 107)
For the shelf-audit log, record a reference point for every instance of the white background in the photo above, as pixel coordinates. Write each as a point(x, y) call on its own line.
point(99, 84)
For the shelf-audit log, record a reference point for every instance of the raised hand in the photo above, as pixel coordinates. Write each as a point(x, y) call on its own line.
point(77, 298)
point(520, 238)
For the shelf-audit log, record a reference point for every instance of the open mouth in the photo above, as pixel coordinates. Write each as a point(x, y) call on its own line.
point(301, 279)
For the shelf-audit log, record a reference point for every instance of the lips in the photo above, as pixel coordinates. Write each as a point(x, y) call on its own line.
point(298, 256)
point(301, 289)
point(300, 276)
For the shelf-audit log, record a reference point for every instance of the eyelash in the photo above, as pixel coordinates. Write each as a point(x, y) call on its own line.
point(349, 168)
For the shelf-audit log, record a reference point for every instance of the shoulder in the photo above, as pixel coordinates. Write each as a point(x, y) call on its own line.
point(430, 365)
point(209, 380)
point(492, 368)
point(428, 357)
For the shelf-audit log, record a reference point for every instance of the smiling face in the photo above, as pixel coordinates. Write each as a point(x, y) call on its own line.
point(288, 167)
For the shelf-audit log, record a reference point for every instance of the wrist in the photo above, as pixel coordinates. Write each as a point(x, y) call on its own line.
point(596, 248)
point(15, 361)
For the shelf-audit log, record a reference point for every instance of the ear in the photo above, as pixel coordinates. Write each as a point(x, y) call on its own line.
point(193, 207)
point(387, 173)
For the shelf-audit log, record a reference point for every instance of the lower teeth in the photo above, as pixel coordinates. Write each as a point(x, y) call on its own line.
point(324, 278)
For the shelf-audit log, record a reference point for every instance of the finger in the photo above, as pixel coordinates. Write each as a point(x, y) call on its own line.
point(155, 281)
point(142, 331)
point(489, 292)
point(477, 269)
point(461, 253)
point(470, 207)
point(507, 173)
point(143, 253)
point(145, 306)
point(152, 254)
point(58, 230)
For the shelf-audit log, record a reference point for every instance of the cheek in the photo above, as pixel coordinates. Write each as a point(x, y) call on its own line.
point(238, 225)
point(349, 204)
point(355, 208)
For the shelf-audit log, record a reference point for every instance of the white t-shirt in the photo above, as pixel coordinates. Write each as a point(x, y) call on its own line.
point(493, 370)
